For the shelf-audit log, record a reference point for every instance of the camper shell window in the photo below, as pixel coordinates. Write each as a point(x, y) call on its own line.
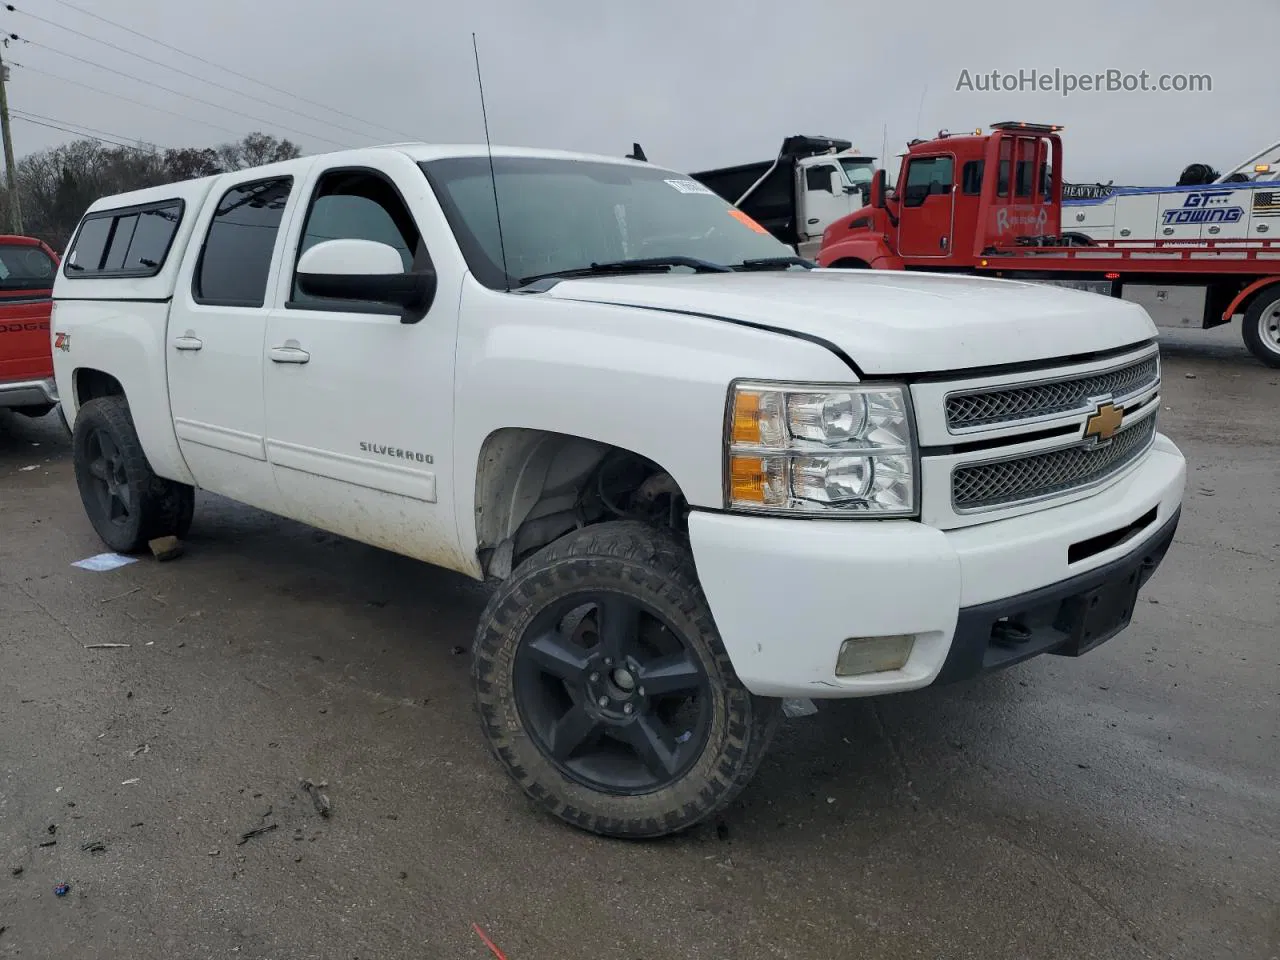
point(127, 242)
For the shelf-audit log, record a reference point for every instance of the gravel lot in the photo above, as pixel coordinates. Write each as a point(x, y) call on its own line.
point(1123, 805)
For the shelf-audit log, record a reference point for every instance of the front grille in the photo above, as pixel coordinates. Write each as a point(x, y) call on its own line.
point(1069, 395)
point(1040, 475)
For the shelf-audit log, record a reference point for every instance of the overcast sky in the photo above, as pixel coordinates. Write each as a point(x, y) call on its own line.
point(700, 83)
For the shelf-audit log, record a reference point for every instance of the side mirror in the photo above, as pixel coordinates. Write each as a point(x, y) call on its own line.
point(837, 184)
point(364, 270)
point(878, 189)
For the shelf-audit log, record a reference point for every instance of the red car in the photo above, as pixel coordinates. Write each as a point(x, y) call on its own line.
point(27, 269)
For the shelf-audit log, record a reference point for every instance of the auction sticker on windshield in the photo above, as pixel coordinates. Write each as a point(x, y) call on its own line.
point(687, 186)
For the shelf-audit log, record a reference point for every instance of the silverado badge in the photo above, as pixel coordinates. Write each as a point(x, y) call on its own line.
point(1104, 421)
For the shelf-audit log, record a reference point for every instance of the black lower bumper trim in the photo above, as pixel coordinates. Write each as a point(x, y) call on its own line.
point(1068, 618)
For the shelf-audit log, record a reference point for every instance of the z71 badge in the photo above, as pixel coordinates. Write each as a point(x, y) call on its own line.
point(62, 341)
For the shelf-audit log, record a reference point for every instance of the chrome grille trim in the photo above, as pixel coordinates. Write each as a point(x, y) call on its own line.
point(1042, 475)
point(1026, 403)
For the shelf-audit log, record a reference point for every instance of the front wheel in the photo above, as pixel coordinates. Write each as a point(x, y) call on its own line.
point(125, 501)
point(1262, 327)
point(604, 689)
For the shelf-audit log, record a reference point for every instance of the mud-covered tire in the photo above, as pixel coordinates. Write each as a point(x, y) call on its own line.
point(155, 507)
point(652, 568)
point(1261, 329)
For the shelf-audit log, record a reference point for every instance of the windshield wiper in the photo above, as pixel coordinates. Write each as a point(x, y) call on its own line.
point(774, 263)
point(639, 265)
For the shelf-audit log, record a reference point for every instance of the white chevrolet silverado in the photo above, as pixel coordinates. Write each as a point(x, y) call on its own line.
point(702, 475)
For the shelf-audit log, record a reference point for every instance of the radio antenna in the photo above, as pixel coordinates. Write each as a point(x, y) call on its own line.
point(493, 178)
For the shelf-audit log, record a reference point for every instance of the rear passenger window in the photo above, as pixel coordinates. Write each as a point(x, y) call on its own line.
point(130, 242)
point(236, 258)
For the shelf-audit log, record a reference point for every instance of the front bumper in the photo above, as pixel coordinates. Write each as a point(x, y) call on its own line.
point(785, 594)
point(28, 393)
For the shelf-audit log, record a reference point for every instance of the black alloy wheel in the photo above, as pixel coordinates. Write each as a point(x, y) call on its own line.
point(611, 694)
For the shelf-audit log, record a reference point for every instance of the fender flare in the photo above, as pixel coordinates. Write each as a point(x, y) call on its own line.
point(1245, 295)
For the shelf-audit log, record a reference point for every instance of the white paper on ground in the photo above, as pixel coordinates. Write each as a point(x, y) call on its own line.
point(104, 561)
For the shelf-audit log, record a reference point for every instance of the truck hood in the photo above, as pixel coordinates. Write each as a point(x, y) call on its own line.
point(890, 322)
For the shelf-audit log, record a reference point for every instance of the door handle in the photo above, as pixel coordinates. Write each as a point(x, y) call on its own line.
point(188, 341)
point(289, 353)
point(813, 219)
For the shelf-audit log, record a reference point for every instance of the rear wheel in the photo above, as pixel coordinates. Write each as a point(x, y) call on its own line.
point(1261, 328)
point(605, 691)
point(126, 503)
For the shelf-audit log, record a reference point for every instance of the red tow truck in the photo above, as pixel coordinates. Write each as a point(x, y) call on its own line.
point(992, 205)
point(27, 270)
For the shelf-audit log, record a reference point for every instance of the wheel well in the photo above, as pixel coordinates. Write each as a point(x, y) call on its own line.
point(851, 263)
point(533, 486)
point(91, 384)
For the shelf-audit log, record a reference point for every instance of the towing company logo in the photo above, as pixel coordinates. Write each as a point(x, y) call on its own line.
point(1103, 422)
point(1204, 206)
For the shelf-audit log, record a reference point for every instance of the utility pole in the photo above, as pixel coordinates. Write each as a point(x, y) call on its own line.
point(11, 170)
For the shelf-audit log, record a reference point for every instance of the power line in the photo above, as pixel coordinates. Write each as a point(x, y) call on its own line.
point(186, 73)
point(36, 117)
point(117, 96)
point(178, 93)
point(234, 73)
point(55, 126)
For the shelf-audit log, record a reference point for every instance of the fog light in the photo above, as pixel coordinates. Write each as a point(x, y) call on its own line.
point(861, 655)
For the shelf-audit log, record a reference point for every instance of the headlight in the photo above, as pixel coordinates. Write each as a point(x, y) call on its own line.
point(821, 450)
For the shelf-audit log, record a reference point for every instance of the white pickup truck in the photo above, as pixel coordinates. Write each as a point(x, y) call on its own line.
point(702, 475)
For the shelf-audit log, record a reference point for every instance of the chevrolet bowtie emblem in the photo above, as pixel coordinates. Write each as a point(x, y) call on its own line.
point(1104, 421)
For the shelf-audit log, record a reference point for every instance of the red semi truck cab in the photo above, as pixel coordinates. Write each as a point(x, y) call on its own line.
point(947, 210)
point(27, 269)
point(992, 205)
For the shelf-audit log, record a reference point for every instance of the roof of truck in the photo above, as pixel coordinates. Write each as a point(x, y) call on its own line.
point(196, 189)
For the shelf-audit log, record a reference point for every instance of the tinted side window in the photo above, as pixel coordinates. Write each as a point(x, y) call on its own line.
point(926, 176)
point(86, 254)
point(152, 237)
point(236, 258)
point(118, 247)
point(356, 205)
point(818, 178)
point(130, 242)
point(971, 177)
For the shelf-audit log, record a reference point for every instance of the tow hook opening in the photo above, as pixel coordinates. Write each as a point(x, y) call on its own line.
point(1009, 633)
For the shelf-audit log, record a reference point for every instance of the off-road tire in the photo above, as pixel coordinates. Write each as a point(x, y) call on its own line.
point(161, 507)
point(652, 566)
point(1261, 314)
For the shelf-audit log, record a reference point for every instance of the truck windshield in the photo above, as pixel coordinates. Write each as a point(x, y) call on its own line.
point(561, 214)
point(24, 267)
point(858, 171)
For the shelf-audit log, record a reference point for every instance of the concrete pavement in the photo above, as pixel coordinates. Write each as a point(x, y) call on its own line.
point(1126, 804)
